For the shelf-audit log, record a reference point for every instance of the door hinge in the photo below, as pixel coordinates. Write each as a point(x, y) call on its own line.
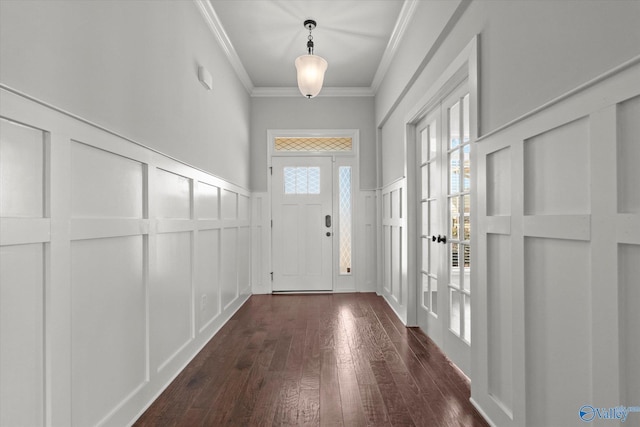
point(271, 276)
point(271, 170)
point(271, 223)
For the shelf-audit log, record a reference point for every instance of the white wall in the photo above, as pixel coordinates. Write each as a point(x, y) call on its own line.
point(316, 113)
point(530, 52)
point(131, 67)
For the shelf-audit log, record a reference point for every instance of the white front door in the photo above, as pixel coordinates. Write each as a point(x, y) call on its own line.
point(444, 162)
point(302, 235)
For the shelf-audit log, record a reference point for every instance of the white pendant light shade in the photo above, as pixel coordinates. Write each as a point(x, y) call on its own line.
point(311, 70)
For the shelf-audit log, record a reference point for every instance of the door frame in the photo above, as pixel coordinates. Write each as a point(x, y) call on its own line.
point(463, 67)
point(341, 283)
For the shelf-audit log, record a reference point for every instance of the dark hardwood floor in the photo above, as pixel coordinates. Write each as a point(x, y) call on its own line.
point(342, 359)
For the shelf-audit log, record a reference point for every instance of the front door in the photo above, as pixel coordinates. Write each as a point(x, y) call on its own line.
point(444, 162)
point(302, 235)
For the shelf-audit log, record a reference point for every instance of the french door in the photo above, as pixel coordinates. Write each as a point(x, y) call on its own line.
point(302, 193)
point(444, 190)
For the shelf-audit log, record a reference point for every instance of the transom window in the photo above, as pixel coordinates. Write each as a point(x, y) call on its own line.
point(313, 144)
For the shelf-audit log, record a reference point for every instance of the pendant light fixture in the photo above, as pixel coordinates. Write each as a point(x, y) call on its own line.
point(310, 67)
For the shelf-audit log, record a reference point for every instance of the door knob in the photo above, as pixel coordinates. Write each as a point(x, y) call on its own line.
point(433, 238)
point(442, 239)
point(328, 234)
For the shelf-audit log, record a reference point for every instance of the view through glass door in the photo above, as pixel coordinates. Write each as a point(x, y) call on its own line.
point(444, 164)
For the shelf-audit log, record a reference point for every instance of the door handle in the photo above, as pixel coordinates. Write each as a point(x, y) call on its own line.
point(442, 239)
point(327, 221)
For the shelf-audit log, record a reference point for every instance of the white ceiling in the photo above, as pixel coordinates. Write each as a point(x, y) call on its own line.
point(264, 37)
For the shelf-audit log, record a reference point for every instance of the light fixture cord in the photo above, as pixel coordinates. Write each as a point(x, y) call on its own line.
point(310, 43)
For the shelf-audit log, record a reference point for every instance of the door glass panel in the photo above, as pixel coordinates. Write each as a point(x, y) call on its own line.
point(466, 268)
point(433, 140)
point(467, 227)
point(425, 291)
point(344, 177)
point(454, 270)
point(425, 219)
point(466, 167)
point(433, 283)
point(467, 318)
point(301, 180)
point(434, 247)
point(467, 203)
point(454, 125)
point(313, 175)
point(425, 255)
point(454, 172)
point(465, 119)
point(424, 170)
point(454, 313)
point(433, 181)
point(455, 218)
point(424, 145)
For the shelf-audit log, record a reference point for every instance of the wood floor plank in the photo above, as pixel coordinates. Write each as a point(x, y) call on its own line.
point(352, 410)
point(330, 404)
point(311, 360)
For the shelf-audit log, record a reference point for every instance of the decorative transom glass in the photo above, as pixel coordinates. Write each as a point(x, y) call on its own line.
point(345, 219)
point(313, 144)
point(301, 180)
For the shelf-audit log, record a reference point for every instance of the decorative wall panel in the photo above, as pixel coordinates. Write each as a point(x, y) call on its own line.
point(22, 171)
point(499, 182)
point(104, 184)
point(629, 322)
point(208, 276)
point(108, 321)
point(208, 200)
point(229, 259)
point(556, 169)
point(499, 318)
point(170, 297)
point(22, 274)
point(628, 156)
point(557, 315)
point(173, 195)
point(394, 247)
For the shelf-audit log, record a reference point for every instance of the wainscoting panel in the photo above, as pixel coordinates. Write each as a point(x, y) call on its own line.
point(365, 242)
point(629, 321)
point(559, 215)
point(628, 156)
point(105, 185)
point(499, 315)
point(208, 277)
point(22, 334)
point(117, 265)
point(394, 247)
point(557, 310)
point(108, 325)
point(22, 161)
point(170, 298)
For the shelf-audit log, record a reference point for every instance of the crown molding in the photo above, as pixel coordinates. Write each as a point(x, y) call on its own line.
point(290, 92)
point(214, 24)
point(406, 14)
